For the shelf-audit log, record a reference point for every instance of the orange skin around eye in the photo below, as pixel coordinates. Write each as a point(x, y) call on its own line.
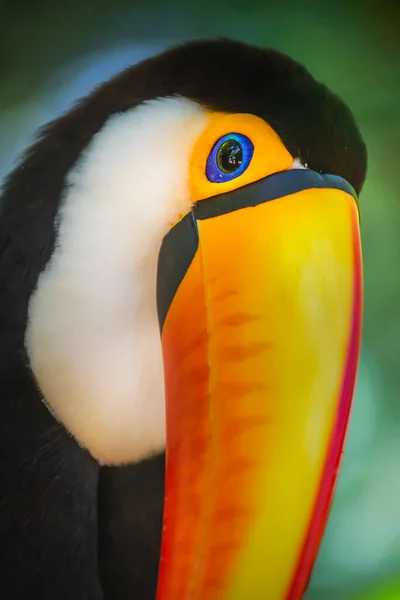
point(270, 155)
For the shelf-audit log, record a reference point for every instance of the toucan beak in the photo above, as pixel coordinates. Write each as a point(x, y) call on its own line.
point(260, 302)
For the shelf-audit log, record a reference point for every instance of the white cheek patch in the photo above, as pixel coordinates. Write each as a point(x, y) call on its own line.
point(92, 338)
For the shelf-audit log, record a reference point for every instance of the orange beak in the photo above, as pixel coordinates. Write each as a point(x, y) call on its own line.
point(260, 303)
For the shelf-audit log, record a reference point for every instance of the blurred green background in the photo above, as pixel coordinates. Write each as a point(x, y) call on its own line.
point(52, 52)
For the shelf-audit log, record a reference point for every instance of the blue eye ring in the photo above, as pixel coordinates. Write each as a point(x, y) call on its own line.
point(229, 158)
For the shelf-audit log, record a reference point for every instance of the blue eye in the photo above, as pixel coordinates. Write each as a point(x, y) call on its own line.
point(229, 158)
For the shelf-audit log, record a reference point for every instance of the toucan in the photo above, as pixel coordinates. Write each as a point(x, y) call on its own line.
point(180, 323)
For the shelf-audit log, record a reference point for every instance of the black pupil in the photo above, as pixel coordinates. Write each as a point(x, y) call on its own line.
point(230, 156)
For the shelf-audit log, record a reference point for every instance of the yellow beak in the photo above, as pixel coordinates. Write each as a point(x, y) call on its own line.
point(260, 303)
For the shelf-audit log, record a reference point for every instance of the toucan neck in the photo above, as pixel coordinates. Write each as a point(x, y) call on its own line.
point(131, 502)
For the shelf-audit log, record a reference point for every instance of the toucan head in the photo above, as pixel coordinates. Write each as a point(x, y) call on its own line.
point(201, 291)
